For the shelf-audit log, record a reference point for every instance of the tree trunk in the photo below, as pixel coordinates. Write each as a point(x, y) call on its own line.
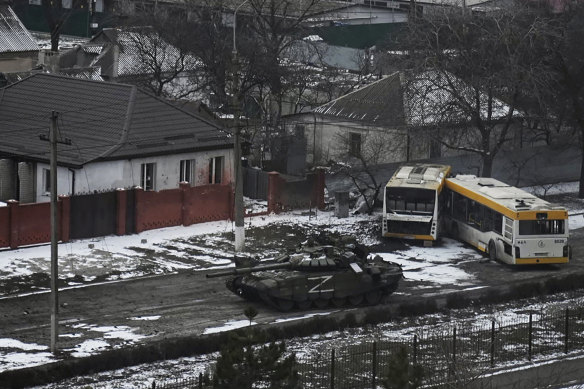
point(487, 168)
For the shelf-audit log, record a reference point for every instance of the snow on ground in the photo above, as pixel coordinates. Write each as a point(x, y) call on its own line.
point(202, 246)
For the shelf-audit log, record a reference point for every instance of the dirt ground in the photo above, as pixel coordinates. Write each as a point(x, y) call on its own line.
point(188, 303)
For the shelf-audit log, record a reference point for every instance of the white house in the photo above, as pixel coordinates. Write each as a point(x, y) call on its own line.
point(111, 136)
point(396, 112)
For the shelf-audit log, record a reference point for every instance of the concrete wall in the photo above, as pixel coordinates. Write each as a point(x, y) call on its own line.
point(18, 62)
point(7, 180)
point(110, 175)
point(324, 140)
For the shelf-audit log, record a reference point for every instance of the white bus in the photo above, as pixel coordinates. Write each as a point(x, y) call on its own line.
point(411, 206)
point(507, 223)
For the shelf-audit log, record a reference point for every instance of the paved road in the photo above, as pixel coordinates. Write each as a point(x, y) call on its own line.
point(189, 303)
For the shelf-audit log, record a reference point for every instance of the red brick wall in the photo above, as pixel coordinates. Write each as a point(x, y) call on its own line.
point(207, 203)
point(31, 224)
point(158, 209)
point(4, 227)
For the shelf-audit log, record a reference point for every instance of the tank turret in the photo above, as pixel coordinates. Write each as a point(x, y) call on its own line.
point(338, 274)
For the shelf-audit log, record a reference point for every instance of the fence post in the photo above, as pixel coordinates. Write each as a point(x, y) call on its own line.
point(415, 349)
point(200, 380)
point(374, 372)
point(333, 369)
point(566, 338)
point(493, 343)
point(454, 346)
point(121, 211)
point(14, 223)
point(530, 335)
point(153, 384)
point(65, 215)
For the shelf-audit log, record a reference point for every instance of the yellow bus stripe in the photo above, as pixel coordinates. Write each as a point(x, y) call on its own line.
point(516, 215)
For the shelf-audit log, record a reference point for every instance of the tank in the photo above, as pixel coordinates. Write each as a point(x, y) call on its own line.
point(316, 276)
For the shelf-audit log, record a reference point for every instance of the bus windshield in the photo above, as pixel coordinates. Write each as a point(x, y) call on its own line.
point(541, 227)
point(410, 200)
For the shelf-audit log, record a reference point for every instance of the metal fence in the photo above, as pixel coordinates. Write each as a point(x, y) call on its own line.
point(255, 183)
point(456, 354)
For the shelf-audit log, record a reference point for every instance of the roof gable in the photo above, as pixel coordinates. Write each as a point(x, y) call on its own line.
point(379, 103)
point(103, 120)
point(14, 37)
point(424, 99)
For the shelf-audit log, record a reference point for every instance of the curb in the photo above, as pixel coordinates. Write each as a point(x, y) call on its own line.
point(177, 347)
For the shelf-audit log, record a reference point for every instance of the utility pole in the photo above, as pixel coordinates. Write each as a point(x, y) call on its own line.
point(238, 203)
point(54, 301)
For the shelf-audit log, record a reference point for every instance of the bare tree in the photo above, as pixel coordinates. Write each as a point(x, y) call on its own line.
point(469, 72)
point(562, 46)
point(359, 156)
point(56, 16)
point(156, 64)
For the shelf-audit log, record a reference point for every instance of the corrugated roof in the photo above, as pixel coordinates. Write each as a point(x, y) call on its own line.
point(425, 99)
point(14, 37)
point(104, 121)
point(379, 103)
point(131, 44)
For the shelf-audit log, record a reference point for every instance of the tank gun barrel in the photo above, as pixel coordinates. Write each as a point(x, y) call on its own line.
point(247, 270)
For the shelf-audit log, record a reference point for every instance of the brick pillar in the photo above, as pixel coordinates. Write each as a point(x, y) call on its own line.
point(13, 223)
point(121, 211)
point(139, 193)
point(65, 218)
point(274, 192)
point(184, 187)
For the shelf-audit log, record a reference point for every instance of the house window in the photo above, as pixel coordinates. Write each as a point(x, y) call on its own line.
point(98, 6)
point(215, 170)
point(147, 176)
point(187, 170)
point(66, 3)
point(354, 144)
point(47, 181)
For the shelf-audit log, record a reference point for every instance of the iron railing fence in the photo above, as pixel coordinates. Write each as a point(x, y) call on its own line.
point(459, 353)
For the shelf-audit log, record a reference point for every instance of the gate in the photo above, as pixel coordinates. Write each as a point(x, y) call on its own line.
point(93, 215)
point(255, 183)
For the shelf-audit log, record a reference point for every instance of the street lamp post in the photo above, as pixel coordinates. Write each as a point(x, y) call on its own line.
point(238, 203)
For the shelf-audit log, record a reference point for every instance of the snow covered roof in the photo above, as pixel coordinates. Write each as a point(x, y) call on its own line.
point(133, 46)
point(396, 100)
point(423, 176)
point(14, 37)
point(378, 103)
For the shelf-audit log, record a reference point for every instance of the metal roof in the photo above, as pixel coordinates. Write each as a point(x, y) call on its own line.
point(379, 103)
point(418, 100)
point(105, 121)
point(419, 175)
point(508, 196)
point(14, 37)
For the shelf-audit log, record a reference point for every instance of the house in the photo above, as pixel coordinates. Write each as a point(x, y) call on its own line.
point(18, 49)
point(397, 111)
point(120, 137)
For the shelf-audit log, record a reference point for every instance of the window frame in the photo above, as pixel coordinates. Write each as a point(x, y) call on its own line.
point(186, 171)
point(355, 143)
point(216, 169)
point(144, 167)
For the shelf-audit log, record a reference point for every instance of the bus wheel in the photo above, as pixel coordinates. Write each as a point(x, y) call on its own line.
point(492, 250)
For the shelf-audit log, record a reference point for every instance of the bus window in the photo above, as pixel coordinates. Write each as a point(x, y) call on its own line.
point(541, 227)
point(459, 207)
